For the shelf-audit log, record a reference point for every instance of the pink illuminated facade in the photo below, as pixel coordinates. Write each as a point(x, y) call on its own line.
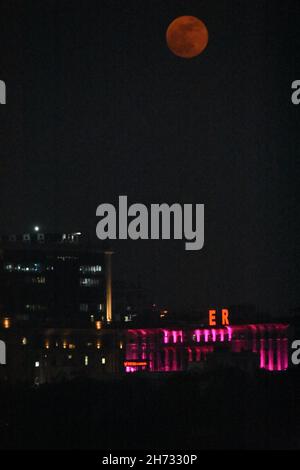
point(175, 350)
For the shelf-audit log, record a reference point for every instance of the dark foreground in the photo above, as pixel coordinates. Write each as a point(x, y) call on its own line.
point(223, 410)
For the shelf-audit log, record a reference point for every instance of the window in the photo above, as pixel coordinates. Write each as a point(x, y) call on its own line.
point(89, 282)
point(20, 267)
point(35, 307)
point(86, 360)
point(84, 307)
point(37, 364)
point(90, 269)
point(6, 323)
point(38, 280)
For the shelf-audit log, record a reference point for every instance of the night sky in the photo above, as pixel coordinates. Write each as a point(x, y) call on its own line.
point(98, 106)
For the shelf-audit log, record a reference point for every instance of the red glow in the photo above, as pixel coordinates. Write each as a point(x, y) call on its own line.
point(135, 364)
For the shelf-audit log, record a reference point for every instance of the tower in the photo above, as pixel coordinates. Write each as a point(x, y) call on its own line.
point(108, 271)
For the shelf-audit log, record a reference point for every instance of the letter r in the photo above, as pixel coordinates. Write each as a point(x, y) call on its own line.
point(225, 315)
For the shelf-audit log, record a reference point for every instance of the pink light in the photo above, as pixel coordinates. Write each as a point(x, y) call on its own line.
point(144, 351)
point(166, 336)
point(175, 368)
point(151, 364)
point(279, 364)
point(285, 354)
point(229, 329)
point(271, 355)
point(142, 346)
point(174, 336)
point(167, 365)
point(190, 352)
point(262, 354)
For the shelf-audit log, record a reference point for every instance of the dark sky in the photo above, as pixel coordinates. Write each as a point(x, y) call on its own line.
point(97, 106)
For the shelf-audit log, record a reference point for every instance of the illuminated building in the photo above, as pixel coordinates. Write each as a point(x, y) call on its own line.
point(176, 350)
point(108, 255)
point(54, 279)
point(55, 354)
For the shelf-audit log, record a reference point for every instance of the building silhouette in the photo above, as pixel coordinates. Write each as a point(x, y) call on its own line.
point(54, 279)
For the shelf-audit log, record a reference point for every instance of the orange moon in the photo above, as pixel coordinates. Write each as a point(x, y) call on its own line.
point(187, 36)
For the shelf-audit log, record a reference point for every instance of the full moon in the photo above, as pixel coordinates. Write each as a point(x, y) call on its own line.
point(187, 36)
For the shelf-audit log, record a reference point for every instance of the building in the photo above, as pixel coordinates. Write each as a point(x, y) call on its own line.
point(49, 355)
point(57, 321)
point(54, 279)
point(263, 346)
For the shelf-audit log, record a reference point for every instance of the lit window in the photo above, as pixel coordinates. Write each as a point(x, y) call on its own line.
point(86, 360)
point(70, 356)
point(89, 282)
point(103, 360)
point(8, 267)
point(35, 307)
point(90, 269)
point(98, 344)
point(39, 280)
point(72, 346)
point(84, 307)
point(24, 341)
point(30, 267)
point(6, 323)
point(37, 364)
point(98, 325)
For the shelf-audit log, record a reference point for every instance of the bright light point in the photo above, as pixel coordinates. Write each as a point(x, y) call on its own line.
point(36, 228)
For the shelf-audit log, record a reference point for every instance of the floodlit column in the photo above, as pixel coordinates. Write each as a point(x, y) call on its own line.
point(108, 273)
